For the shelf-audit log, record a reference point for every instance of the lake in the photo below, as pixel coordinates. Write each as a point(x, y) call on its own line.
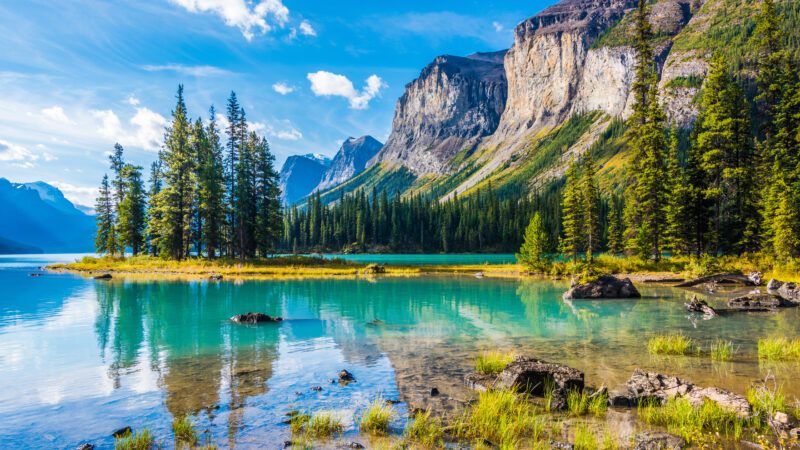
point(80, 358)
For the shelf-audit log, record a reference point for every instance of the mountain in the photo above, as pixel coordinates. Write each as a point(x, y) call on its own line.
point(350, 160)
point(514, 119)
point(301, 174)
point(35, 217)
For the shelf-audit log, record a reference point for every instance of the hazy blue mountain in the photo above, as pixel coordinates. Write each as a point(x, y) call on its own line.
point(301, 174)
point(35, 217)
point(350, 160)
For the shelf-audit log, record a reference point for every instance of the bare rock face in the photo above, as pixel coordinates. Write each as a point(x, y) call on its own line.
point(454, 102)
point(349, 161)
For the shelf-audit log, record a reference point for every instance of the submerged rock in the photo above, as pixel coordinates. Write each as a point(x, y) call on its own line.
point(606, 286)
point(759, 302)
point(657, 440)
point(86, 446)
point(700, 306)
point(254, 318)
point(346, 377)
point(105, 276)
point(788, 291)
point(121, 432)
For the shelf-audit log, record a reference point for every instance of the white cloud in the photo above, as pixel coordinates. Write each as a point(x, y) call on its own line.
point(249, 19)
point(330, 84)
point(282, 88)
point(133, 101)
point(306, 29)
point(147, 133)
point(285, 133)
point(498, 27)
point(194, 71)
point(20, 156)
point(81, 195)
point(56, 114)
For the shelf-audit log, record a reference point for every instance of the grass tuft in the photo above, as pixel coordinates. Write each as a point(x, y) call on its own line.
point(598, 404)
point(142, 440)
point(585, 439)
point(722, 350)
point(577, 402)
point(549, 392)
point(323, 425)
point(298, 422)
point(493, 362)
point(184, 431)
point(425, 431)
point(779, 349)
point(376, 418)
point(676, 344)
point(695, 424)
point(766, 402)
point(501, 417)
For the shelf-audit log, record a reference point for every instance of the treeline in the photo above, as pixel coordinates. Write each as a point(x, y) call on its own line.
point(481, 222)
point(206, 197)
point(735, 189)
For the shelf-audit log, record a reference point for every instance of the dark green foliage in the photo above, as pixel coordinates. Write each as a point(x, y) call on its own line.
point(572, 214)
point(105, 240)
point(534, 247)
point(691, 81)
point(131, 219)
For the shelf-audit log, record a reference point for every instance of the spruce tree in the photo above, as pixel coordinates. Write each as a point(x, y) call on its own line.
point(534, 247)
point(269, 220)
point(132, 220)
point(233, 148)
point(571, 213)
point(105, 240)
point(769, 56)
point(616, 244)
point(153, 215)
point(590, 205)
point(211, 188)
point(677, 234)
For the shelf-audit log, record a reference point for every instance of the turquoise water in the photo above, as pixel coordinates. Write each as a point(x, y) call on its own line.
point(80, 358)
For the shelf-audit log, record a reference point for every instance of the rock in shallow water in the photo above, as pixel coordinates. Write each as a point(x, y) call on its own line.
point(121, 432)
point(253, 318)
point(105, 276)
point(606, 286)
point(700, 306)
point(788, 291)
point(759, 302)
point(656, 440)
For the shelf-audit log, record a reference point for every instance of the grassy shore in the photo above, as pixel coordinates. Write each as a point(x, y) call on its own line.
point(317, 267)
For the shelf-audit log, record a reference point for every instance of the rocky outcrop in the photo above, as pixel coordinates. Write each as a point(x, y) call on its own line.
point(453, 104)
point(788, 291)
point(254, 318)
point(532, 376)
point(606, 286)
point(759, 302)
point(350, 160)
point(300, 175)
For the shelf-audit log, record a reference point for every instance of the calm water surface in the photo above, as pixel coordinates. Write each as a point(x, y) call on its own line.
point(80, 358)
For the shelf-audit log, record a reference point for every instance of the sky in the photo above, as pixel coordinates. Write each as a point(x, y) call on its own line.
point(77, 76)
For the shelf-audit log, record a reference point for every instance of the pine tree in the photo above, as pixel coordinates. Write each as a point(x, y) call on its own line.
point(572, 217)
point(270, 219)
point(131, 219)
point(117, 163)
point(533, 251)
point(153, 215)
point(678, 232)
point(770, 56)
point(173, 203)
point(616, 243)
point(785, 223)
point(233, 147)
point(105, 240)
point(211, 187)
point(590, 205)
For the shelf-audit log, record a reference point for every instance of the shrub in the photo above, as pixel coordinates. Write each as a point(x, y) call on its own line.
point(676, 344)
point(376, 418)
point(493, 362)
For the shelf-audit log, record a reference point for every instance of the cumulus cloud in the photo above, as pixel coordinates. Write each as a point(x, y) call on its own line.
point(327, 84)
point(282, 88)
point(133, 101)
point(250, 18)
point(147, 128)
point(194, 71)
point(56, 114)
point(286, 132)
point(20, 156)
point(81, 195)
point(306, 29)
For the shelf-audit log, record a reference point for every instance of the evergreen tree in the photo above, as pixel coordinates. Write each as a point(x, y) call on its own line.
point(770, 56)
point(105, 240)
point(153, 215)
point(590, 205)
point(785, 223)
point(269, 220)
point(679, 228)
point(131, 220)
point(233, 147)
point(211, 187)
point(616, 243)
point(572, 218)
point(533, 251)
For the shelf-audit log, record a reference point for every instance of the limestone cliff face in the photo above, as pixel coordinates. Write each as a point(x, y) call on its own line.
point(453, 104)
point(349, 161)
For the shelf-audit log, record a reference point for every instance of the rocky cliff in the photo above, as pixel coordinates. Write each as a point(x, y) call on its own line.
point(350, 160)
point(454, 103)
point(301, 174)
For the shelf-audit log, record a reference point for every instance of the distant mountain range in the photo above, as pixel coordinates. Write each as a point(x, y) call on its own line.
point(37, 218)
point(303, 174)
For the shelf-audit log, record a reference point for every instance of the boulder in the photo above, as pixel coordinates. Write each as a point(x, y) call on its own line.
point(644, 386)
point(657, 440)
point(346, 377)
point(700, 306)
point(725, 399)
point(480, 381)
point(105, 276)
point(254, 318)
point(606, 286)
point(788, 291)
point(755, 278)
point(759, 302)
point(531, 375)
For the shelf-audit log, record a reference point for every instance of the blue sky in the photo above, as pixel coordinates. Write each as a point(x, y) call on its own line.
point(76, 76)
